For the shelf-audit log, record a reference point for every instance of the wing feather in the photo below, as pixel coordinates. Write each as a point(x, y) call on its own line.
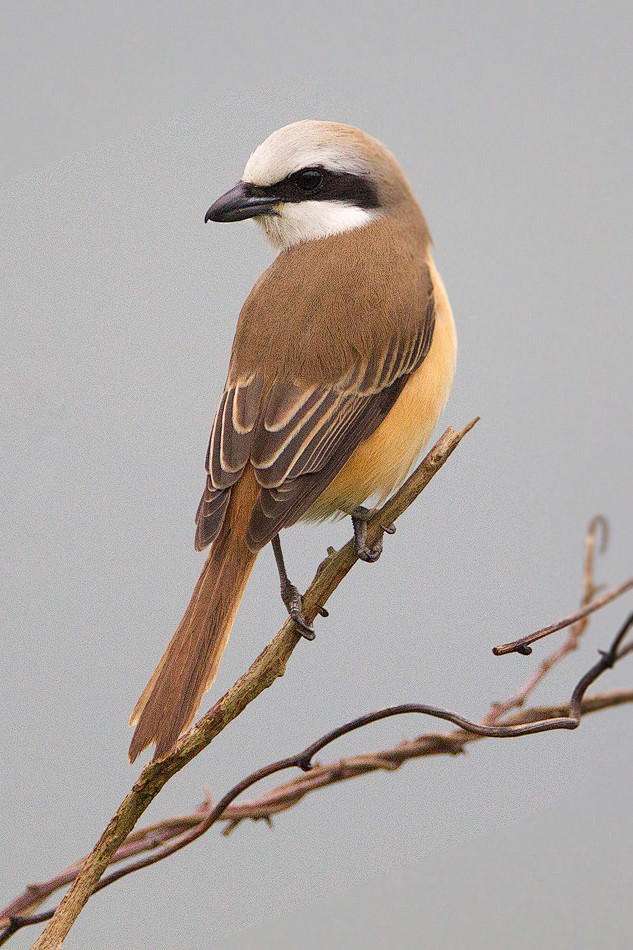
point(298, 435)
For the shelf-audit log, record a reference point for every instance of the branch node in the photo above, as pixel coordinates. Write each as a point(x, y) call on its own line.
point(330, 555)
point(608, 658)
point(452, 744)
point(230, 826)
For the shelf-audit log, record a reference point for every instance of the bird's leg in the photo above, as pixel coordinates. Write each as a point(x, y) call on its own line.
point(290, 595)
point(360, 517)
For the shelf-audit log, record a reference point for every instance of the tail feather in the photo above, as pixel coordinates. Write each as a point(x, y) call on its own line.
point(190, 663)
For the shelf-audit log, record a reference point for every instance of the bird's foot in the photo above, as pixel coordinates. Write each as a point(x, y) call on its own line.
point(364, 551)
point(294, 605)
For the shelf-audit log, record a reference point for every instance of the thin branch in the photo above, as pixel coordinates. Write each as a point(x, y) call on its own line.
point(289, 794)
point(270, 664)
point(303, 760)
point(527, 723)
point(285, 796)
point(576, 630)
point(523, 645)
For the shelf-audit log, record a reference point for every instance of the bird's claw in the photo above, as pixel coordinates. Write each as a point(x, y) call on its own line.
point(294, 605)
point(367, 553)
point(362, 550)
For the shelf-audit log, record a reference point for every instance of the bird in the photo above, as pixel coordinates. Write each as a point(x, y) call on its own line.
point(342, 362)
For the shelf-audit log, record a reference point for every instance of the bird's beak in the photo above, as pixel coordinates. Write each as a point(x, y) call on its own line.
point(242, 201)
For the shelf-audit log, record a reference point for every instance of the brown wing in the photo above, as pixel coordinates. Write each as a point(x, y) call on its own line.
point(229, 450)
point(298, 436)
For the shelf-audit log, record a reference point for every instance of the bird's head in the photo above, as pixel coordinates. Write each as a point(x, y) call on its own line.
point(313, 179)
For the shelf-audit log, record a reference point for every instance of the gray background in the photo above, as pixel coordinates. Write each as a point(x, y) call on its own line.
point(120, 124)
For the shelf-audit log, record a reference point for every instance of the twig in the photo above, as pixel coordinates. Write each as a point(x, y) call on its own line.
point(576, 630)
point(270, 664)
point(303, 760)
point(527, 723)
point(291, 793)
point(523, 645)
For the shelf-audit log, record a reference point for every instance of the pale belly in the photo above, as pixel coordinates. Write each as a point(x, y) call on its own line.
point(381, 463)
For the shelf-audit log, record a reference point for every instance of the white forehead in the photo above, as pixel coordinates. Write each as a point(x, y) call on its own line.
point(303, 144)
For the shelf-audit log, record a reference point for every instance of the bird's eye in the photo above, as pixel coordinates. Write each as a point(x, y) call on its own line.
point(309, 180)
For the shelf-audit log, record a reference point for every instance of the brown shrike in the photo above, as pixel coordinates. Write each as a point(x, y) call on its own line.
point(342, 362)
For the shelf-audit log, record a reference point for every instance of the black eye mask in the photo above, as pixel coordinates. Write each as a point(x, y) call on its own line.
point(315, 183)
point(321, 184)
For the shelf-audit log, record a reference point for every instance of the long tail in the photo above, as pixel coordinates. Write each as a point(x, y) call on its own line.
point(190, 663)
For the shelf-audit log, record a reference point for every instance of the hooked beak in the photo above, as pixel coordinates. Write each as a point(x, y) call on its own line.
point(242, 201)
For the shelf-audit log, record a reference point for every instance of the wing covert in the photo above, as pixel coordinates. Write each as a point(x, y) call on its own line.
point(298, 435)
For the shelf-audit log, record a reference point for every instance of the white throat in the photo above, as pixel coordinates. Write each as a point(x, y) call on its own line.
point(310, 220)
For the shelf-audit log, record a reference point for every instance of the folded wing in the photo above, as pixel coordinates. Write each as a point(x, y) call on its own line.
point(298, 436)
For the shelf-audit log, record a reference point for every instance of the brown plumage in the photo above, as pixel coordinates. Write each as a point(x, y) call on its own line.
point(342, 361)
point(190, 662)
